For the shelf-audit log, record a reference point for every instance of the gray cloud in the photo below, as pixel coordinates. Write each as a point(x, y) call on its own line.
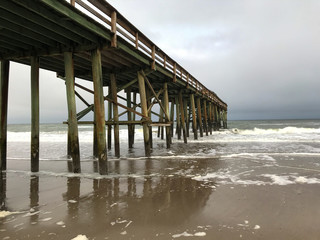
point(261, 57)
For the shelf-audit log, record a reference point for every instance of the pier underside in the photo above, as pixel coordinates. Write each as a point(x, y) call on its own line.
point(92, 41)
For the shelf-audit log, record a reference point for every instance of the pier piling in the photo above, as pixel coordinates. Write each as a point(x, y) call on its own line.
point(4, 87)
point(34, 114)
point(99, 110)
point(72, 113)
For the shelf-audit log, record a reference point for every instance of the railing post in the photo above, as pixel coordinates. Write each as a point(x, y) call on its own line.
point(114, 29)
point(153, 55)
point(174, 72)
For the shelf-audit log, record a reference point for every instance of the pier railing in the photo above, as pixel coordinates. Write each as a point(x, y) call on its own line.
point(105, 14)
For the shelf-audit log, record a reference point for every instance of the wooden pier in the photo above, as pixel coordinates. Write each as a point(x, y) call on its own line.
point(91, 40)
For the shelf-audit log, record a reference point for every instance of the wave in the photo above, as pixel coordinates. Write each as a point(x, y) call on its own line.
point(286, 130)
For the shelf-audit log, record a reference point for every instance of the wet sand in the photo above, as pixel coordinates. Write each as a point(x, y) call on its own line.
point(155, 199)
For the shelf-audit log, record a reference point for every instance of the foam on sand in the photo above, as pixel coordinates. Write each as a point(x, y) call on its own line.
point(80, 237)
point(4, 214)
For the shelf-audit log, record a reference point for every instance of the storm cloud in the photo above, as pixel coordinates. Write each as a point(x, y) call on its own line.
point(261, 57)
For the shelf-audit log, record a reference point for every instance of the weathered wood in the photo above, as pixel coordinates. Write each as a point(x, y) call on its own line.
point(144, 110)
point(172, 116)
point(210, 118)
point(82, 99)
point(95, 137)
point(194, 118)
point(4, 85)
point(84, 112)
point(155, 95)
point(166, 108)
point(199, 116)
point(35, 114)
point(205, 117)
point(114, 29)
point(113, 84)
point(160, 129)
point(109, 142)
point(72, 113)
point(178, 120)
point(182, 117)
point(134, 115)
point(186, 115)
point(99, 110)
point(149, 97)
point(129, 117)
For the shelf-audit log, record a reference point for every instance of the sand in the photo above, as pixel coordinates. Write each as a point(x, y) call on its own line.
point(155, 199)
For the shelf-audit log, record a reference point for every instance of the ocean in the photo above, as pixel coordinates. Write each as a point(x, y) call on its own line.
point(254, 180)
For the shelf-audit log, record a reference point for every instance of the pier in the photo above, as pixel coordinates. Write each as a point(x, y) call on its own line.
point(91, 40)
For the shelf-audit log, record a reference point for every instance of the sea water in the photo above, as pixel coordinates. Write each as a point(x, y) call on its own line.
point(248, 152)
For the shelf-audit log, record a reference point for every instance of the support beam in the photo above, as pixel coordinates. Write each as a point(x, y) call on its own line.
point(194, 117)
point(113, 85)
point(144, 110)
point(34, 114)
point(99, 110)
point(199, 116)
point(4, 84)
point(183, 122)
point(149, 98)
point(72, 113)
point(166, 109)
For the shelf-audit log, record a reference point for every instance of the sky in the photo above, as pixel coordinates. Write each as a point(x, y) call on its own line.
point(261, 57)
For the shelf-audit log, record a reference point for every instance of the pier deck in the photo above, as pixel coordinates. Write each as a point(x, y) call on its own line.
point(91, 40)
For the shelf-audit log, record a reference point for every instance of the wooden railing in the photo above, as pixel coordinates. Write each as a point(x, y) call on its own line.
point(105, 14)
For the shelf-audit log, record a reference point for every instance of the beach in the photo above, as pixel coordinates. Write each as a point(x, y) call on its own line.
point(256, 180)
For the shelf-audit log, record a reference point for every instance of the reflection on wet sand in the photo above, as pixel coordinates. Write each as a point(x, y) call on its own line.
point(106, 207)
point(3, 187)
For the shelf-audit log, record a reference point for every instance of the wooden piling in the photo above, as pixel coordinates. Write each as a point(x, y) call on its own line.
point(134, 115)
point(178, 120)
point(34, 114)
point(129, 117)
point(183, 122)
point(205, 117)
point(166, 107)
point(199, 116)
point(99, 110)
point(186, 116)
point(72, 113)
point(171, 116)
point(210, 118)
point(95, 144)
point(113, 85)
point(144, 110)
point(109, 142)
point(4, 85)
point(194, 118)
